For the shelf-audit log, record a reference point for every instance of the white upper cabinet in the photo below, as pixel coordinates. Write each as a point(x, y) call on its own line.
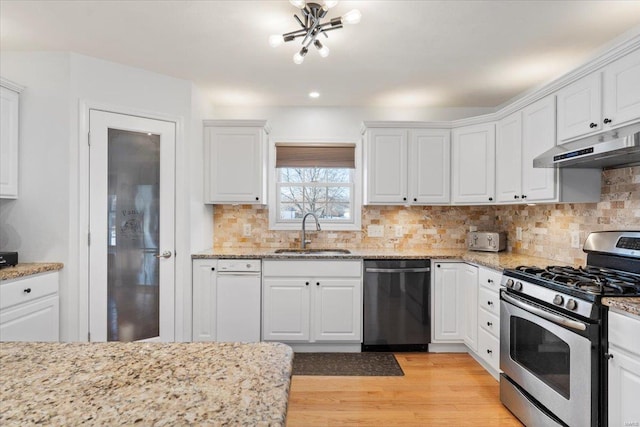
point(473, 164)
point(386, 166)
point(235, 161)
point(621, 86)
point(407, 166)
point(429, 166)
point(538, 136)
point(508, 152)
point(602, 100)
point(9, 125)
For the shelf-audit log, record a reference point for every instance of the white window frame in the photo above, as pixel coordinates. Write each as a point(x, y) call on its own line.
point(356, 208)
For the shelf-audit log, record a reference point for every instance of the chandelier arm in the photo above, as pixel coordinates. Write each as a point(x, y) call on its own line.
point(311, 31)
point(331, 28)
point(299, 21)
point(295, 34)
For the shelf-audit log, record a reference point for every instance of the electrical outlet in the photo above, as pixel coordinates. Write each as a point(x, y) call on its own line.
point(519, 234)
point(375, 231)
point(473, 228)
point(246, 230)
point(575, 239)
point(399, 231)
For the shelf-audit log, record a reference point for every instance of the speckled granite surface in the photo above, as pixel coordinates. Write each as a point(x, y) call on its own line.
point(498, 261)
point(147, 383)
point(28, 269)
point(628, 305)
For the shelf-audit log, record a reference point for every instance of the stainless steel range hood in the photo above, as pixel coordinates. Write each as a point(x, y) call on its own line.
point(612, 149)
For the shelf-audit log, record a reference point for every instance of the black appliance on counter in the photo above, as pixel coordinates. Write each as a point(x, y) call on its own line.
point(553, 332)
point(8, 259)
point(396, 305)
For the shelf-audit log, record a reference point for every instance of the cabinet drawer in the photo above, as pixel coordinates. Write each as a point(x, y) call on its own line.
point(308, 268)
point(27, 289)
point(489, 300)
point(489, 322)
point(489, 278)
point(489, 348)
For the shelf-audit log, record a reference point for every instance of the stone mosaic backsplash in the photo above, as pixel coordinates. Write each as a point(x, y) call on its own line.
point(546, 228)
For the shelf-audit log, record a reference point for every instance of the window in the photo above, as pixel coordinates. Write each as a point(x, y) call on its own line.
point(317, 178)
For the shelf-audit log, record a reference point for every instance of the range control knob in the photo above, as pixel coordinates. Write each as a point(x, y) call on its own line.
point(517, 286)
point(558, 300)
point(572, 304)
point(509, 283)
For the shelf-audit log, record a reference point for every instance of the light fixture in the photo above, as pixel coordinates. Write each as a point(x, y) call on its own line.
point(314, 94)
point(312, 14)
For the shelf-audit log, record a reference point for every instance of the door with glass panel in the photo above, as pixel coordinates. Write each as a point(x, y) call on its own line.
point(131, 228)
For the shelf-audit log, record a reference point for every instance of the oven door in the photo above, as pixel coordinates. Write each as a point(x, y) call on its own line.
point(549, 357)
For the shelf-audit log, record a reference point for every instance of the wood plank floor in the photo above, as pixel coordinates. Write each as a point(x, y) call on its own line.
point(436, 390)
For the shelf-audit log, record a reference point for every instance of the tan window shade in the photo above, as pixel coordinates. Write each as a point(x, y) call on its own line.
point(315, 155)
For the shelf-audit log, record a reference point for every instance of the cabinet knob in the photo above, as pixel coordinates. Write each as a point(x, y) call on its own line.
point(489, 280)
point(404, 199)
point(607, 121)
point(491, 199)
point(27, 291)
point(489, 303)
point(213, 269)
point(438, 265)
point(489, 351)
point(608, 356)
point(317, 283)
point(306, 283)
point(516, 196)
point(415, 199)
point(489, 324)
point(257, 198)
point(593, 125)
point(524, 196)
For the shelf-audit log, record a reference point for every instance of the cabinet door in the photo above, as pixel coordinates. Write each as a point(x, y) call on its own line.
point(285, 309)
point(234, 167)
point(468, 283)
point(624, 387)
point(429, 166)
point(337, 310)
point(386, 166)
point(204, 277)
point(238, 308)
point(447, 308)
point(35, 321)
point(474, 164)
point(622, 91)
point(580, 108)
point(508, 153)
point(9, 121)
point(538, 136)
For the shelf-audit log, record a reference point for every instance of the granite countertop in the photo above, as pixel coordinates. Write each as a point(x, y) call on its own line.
point(148, 383)
point(28, 269)
point(627, 304)
point(495, 260)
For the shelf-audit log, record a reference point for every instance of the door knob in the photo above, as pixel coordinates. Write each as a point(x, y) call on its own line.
point(165, 254)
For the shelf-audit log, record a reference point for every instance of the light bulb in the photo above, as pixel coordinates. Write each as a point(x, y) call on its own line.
point(300, 4)
point(298, 58)
point(352, 17)
point(314, 94)
point(276, 40)
point(322, 49)
point(330, 3)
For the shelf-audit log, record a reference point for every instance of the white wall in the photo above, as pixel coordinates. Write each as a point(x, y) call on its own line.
point(45, 223)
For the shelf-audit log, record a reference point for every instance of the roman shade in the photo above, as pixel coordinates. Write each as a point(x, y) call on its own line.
point(300, 155)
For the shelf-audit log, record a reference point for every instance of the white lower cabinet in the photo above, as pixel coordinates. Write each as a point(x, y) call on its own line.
point(624, 369)
point(29, 308)
point(309, 301)
point(225, 307)
point(455, 303)
point(489, 317)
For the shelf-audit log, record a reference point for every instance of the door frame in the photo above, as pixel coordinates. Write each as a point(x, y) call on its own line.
point(182, 274)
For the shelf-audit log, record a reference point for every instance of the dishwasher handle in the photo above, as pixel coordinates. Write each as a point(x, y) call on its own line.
point(238, 273)
point(398, 270)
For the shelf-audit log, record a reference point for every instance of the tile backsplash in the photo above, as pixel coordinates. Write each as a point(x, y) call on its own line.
point(546, 228)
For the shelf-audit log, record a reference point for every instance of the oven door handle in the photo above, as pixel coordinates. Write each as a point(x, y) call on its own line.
point(545, 314)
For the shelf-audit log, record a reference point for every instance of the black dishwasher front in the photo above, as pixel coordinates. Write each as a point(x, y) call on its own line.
point(396, 305)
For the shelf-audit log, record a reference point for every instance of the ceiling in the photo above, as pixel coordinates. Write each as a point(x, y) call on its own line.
point(402, 53)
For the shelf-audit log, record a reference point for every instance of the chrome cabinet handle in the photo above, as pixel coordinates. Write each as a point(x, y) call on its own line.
point(165, 254)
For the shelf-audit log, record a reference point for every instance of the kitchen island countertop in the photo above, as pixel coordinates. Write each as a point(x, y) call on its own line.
point(147, 383)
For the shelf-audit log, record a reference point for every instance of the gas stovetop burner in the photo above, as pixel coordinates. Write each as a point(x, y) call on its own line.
point(593, 280)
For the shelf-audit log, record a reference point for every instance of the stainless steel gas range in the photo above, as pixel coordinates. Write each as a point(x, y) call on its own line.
point(553, 332)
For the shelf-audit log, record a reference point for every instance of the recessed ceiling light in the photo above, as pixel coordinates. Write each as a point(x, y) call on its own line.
point(314, 94)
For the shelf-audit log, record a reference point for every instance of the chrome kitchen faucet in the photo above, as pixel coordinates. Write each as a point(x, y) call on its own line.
point(304, 231)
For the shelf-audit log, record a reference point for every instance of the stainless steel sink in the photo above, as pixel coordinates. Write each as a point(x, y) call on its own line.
point(308, 251)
